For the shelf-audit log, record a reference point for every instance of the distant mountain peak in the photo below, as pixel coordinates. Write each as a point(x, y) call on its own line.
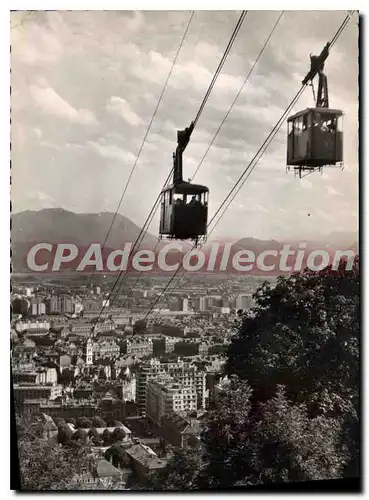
point(59, 225)
point(54, 210)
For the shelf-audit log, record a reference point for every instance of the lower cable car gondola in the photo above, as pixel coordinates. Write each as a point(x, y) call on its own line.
point(315, 136)
point(184, 206)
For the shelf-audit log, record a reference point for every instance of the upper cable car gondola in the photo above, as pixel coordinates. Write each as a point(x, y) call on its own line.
point(184, 206)
point(315, 137)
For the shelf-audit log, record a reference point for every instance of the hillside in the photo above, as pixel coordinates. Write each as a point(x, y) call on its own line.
point(56, 225)
point(61, 226)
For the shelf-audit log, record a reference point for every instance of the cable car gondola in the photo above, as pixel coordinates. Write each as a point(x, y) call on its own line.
point(315, 137)
point(184, 206)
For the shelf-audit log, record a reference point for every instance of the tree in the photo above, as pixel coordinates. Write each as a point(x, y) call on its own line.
point(291, 410)
point(59, 422)
point(80, 434)
point(122, 347)
point(64, 434)
point(66, 377)
point(83, 423)
point(20, 306)
point(276, 441)
point(180, 473)
point(243, 444)
point(98, 422)
point(303, 334)
point(117, 435)
point(106, 437)
point(45, 465)
point(139, 327)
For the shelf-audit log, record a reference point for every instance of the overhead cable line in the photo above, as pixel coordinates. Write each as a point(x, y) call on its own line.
point(238, 93)
point(220, 66)
point(147, 133)
point(351, 14)
point(131, 251)
point(277, 126)
point(208, 92)
point(201, 108)
point(252, 164)
point(227, 114)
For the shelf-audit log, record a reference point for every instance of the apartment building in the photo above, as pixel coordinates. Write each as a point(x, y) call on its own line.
point(182, 372)
point(165, 396)
point(140, 347)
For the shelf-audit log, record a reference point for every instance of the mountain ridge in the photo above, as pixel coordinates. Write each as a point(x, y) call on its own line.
point(57, 225)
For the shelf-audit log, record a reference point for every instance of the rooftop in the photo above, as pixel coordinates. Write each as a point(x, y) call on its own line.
point(145, 456)
point(106, 469)
point(176, 421)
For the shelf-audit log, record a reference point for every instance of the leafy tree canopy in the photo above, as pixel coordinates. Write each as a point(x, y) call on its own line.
point(44, 464)
point(291, 410)
point(84, 423)
point(303, 334)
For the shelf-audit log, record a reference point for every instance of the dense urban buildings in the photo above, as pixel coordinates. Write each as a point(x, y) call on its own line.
point(166, 395)
point(147, 382)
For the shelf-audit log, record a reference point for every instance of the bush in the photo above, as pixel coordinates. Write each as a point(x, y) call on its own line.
point(98, 422)
point(59, 422)
point(83, 423)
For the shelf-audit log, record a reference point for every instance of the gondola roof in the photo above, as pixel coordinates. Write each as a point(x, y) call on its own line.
point(327, 111)
point(186, 188)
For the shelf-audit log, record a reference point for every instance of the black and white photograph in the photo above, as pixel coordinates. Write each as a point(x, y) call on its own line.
point(184, 228)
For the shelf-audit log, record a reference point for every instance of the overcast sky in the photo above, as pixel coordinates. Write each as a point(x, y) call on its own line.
point(85, 84)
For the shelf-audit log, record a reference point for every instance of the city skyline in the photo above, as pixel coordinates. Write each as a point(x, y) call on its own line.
point(81, 105)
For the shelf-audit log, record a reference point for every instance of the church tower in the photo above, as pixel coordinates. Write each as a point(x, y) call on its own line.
point(89, 352)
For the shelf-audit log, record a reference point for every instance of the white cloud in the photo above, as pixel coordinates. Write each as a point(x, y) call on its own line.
point(121, 107)
point(191, 72)
point(77, 60)
point(51, 102)
point(38, 132)
point(135, 22)
point(112, 151)
point(36, 45)
point(261, 209)
point(269, 113)
point(47, 144)
point(205, 50)
point(333, 192)
point(43, 196)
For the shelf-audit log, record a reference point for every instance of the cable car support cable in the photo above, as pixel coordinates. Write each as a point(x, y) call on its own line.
point(221, 64)
point(191, 128)
point(252, 164)
point(186, 134)
point(146, 134)
point(225, 117)
point(239, 92)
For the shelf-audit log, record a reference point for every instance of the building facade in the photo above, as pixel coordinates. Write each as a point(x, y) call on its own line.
point(182, 372)
point(38, 308)
point(30, 326)
point(165, 396)
point(140, 348)
point(35, 391)
point(107, 349)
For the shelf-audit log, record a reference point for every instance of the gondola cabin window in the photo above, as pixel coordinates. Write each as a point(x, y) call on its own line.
point(179, 199)
point(184, 211)
point(315, 138)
